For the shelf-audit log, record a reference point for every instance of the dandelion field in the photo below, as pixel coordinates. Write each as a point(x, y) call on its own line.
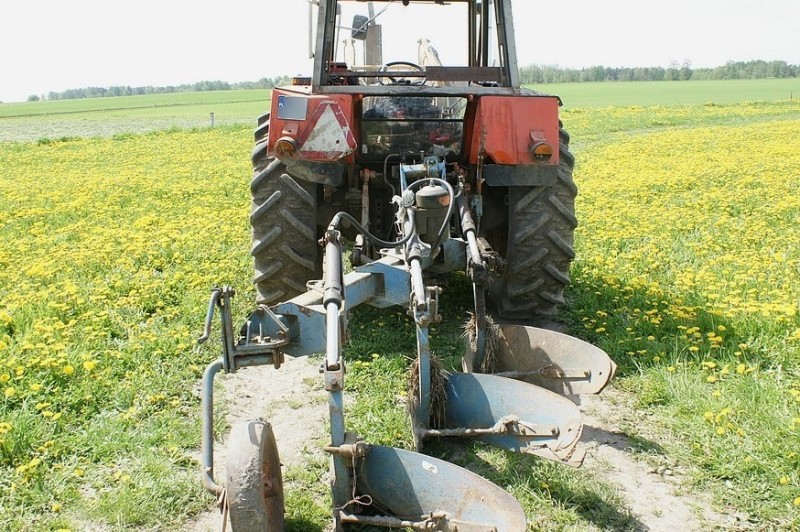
point(687, 273)
point(109, 249)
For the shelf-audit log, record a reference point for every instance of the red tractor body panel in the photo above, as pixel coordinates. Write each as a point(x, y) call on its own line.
point(505, 128)
point(322, 126)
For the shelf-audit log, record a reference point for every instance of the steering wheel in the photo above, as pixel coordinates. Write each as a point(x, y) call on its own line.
point(401, 66)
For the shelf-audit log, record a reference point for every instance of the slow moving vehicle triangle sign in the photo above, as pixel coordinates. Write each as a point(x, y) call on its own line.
point(328, 135)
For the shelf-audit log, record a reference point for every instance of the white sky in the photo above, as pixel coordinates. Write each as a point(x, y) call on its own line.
point(53, 45)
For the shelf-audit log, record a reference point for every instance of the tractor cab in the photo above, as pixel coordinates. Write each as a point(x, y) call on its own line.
point(412, 66)
point(417, 44)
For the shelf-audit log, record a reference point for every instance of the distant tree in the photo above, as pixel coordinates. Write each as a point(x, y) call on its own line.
point(672, 73)
point(686, 70)
point(33, 98)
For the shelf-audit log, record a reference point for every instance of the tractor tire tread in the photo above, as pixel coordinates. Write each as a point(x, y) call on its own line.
point(539, 249)
point(283, 220)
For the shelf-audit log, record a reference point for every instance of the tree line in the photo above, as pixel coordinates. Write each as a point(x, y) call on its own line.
point(127, 90)
point(675, 72)
point(528, 74)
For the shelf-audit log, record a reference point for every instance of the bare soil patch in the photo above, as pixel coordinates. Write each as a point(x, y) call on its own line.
point(656, 495)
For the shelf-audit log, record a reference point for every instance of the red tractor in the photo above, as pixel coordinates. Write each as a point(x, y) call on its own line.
point(333, 142)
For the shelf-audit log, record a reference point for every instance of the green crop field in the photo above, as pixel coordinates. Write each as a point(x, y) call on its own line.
point(129, 114)
point(657, 93)
point(687, 273)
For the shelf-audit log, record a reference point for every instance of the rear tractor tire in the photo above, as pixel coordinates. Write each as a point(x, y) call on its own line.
point(254, 484)
point(284, 222)
point(541, 227)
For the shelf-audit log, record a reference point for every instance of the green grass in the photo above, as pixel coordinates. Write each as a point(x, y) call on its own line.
point(141, 103)
point(670, 93)
point(126, 234)
point(106, 117)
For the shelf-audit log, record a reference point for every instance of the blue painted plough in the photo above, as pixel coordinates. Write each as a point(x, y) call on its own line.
point(519, 403)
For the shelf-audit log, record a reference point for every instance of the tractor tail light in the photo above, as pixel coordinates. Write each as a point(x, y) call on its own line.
point(286, 148)
point(541, 152)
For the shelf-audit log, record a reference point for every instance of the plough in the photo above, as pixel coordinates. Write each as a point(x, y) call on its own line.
point(512, 391)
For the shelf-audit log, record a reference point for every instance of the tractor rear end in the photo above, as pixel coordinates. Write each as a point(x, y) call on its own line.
point(427, 169)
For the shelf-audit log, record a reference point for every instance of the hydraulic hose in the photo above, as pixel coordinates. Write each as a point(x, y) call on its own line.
point(341, 215)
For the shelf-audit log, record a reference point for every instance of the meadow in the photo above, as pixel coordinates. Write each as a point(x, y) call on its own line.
point(117, 223)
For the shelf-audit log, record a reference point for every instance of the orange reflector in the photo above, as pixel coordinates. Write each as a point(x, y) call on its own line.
point(301, 81)
point(541, 152)
point(286, 148)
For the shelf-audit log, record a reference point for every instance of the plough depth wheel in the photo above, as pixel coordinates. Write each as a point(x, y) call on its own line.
point(254, 487)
